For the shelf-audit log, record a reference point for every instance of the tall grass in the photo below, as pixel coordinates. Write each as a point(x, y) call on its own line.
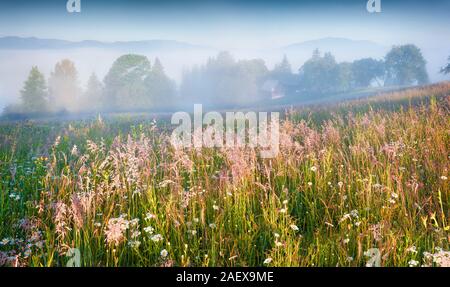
point(349, 178)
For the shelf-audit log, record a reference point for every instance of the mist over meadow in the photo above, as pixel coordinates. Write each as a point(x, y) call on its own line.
point(180, 62)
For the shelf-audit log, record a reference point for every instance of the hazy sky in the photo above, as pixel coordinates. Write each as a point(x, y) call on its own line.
point(230, 24)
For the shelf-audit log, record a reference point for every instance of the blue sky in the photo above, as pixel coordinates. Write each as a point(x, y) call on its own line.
point(229, 24)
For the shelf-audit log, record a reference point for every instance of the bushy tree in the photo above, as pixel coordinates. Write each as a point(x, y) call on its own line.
point(125, 83)
point(63, 86)
point(160, 88)
point(345, 81)
point(34, 93)
point(367, 70)
point(405, 65)
point(224, 81)
point(282, 71)
point(320, 74)
point(93, 96)
point(446, 69)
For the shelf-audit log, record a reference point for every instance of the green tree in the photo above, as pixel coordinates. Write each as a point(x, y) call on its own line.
point(224, 81)
point(125, 87)
point(319, 75)
point(92, 98)
point(63, 86)
point(405, 65)
point(34, 92)
point(367, 70)
point(283, 70)
point(160, 88)
point(446, 69)
point(346, 77)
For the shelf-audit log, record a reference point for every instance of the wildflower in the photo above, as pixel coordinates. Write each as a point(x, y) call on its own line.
point(150, 216)
point(115, 230)
point(212, 225)
point(354, 213)
point(194, 232)
point(285, 202)
point(443, 177)
point(313, 169)
point(349, 259)
point(156, 238)
point(310, 183)
point(294, 227)
point(268, 260)
point(413, 263)
point(278, 244)
point(57, 141)
point(345, 217)
point(441, 257)
point(346, 240)
point(74, 151)
point(149, 229)
point(134, 244)
point(394, 195)
point(215, 207)
point(412, 249)
point(276, 235)
point(340, 184)
point(164, 253)
point(135, 234)
point(283, 210)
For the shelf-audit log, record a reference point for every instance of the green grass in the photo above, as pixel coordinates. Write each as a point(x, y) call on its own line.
point(357, 175)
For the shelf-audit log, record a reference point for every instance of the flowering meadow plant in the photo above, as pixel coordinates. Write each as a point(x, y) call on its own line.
point(360, 183)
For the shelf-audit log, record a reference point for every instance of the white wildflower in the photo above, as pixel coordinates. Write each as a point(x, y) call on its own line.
point(164, 253)
point(294, 227)
point(268, 260)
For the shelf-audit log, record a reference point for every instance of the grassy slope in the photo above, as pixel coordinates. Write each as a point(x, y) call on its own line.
point(350, 177)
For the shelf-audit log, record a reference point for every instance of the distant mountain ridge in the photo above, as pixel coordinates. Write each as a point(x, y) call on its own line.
point(331, 41)
point(343, 48)
point(33, 43)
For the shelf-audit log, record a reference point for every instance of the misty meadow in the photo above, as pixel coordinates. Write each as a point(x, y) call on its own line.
point(90, 175)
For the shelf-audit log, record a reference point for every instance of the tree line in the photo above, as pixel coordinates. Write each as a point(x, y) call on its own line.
point(133, 83)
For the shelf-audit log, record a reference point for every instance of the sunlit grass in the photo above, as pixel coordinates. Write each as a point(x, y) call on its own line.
point(349, 177)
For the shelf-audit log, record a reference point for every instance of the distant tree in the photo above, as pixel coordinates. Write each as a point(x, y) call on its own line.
point(160, 88)
point(34, 93)
point(223, 81)
point(282, 70)
point(63, 86)
point(283, 76)
point(250, 75)
point(125, 83)
point(92, 98)
point(366, 70)
point(319, 75)
point(405, 65)
point(446, 69)
point(346, 77)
